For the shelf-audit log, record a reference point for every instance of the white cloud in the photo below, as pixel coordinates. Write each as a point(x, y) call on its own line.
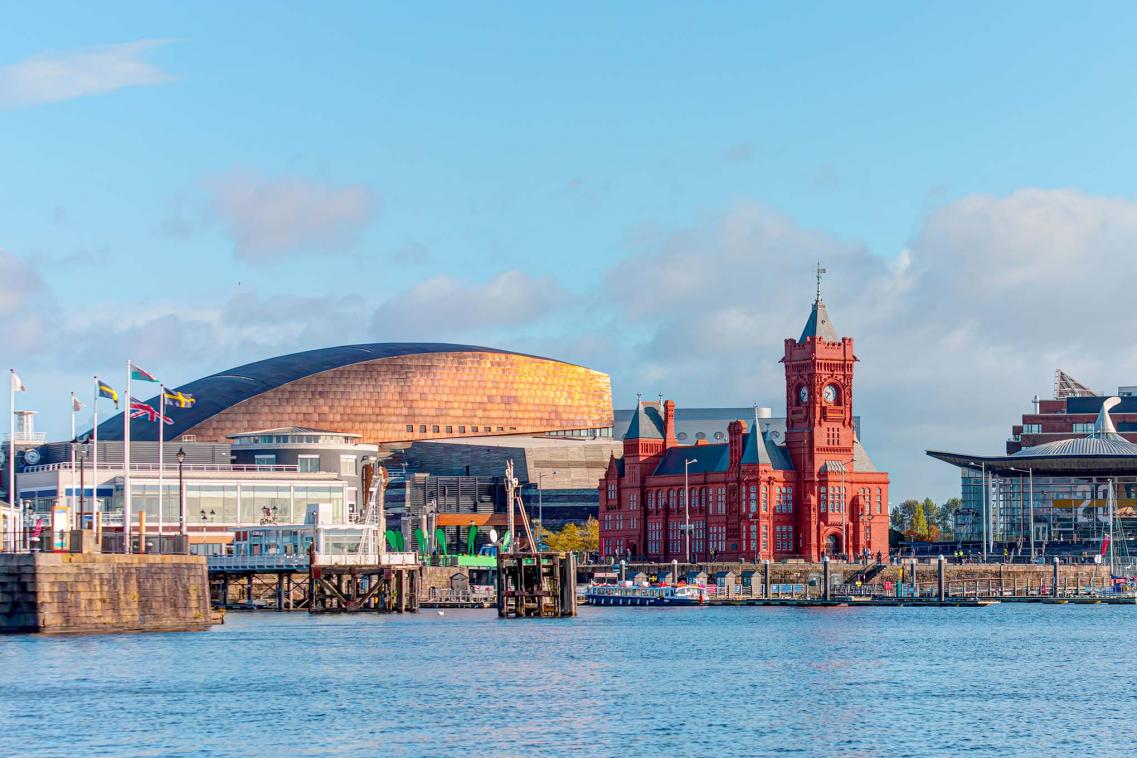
point(51, 77)
point(270, 218)
point(444, 305)
point(955, 334)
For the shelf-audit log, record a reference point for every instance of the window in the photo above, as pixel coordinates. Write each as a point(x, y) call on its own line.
point(671, 499)
point(765, 538)
point(633, 504)
point(785, 500)
point(461, 430)
point(1032, 428)
point(693, 498)
point(347, 465)
point(309, 464)
point(654, 538)
point(1083, 428)
point(410, 428)
point(434, 428)
point(673, 545)
point(265, 460)
point(878, 505)
point(474, 429)
point(612, 494)
point(717, 535)
point(754, 498)
point(824, 498)
point(449, 430)
point(868, 535)
point(422, 429)
point(720, 503)
point(681, 436)
point(765, 499)
point(500, 429)
point(784, 538)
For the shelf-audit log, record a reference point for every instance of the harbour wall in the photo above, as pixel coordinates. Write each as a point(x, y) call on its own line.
point(800, 572)
point(92, 592)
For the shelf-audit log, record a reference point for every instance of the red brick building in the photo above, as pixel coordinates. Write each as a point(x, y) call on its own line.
point(765, 493)
point(1071, 414)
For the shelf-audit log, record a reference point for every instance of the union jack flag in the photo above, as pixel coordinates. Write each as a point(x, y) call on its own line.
point(139, 409)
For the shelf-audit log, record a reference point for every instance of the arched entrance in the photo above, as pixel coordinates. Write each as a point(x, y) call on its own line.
point(833, 544)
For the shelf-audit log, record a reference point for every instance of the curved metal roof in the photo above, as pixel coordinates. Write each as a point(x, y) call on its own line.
point(1106, 444)
point(225, 389)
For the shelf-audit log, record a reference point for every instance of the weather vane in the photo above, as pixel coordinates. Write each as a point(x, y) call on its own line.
point(820, 271)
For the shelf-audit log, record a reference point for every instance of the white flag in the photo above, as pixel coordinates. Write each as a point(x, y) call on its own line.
point(17, 385)
point(75, 404)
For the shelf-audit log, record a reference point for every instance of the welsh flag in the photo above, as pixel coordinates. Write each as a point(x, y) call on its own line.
point(141, 374)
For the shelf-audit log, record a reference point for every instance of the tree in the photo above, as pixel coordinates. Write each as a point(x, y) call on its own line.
point(919, 526)
point(575, 539)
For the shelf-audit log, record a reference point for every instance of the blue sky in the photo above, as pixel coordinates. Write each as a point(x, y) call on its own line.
point(642, 188)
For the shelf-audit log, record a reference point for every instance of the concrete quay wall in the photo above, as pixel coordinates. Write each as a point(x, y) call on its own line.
point(93, 592)
point(800, 572)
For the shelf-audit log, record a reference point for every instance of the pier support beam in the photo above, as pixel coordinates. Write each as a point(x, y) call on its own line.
point(1054, 582)
point(766, 578)
point(825, 577)
point(941, 578)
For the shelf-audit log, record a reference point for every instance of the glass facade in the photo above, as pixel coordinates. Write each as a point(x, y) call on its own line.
point(1061, 509)
point(233, 503)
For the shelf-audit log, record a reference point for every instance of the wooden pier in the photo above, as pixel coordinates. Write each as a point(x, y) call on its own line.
point(536, 585)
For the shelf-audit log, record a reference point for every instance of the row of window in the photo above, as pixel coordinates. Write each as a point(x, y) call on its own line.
point(615, 521)
point(701, 498)
point(309, 464)
point(714, 538)
point(751, 537)
point(437, 429)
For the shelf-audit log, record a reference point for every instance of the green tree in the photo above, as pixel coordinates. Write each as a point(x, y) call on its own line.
point(590, 536)
point(900, 518)
point(919, 526)
point(575, 539)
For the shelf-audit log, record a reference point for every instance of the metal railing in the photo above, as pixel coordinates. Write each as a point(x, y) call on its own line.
point(243, 467)
point(274, 562)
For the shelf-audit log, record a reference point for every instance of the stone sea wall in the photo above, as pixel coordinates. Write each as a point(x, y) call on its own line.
point(92, 592)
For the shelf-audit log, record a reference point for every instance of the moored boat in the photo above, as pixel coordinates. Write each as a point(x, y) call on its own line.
point(630, 594)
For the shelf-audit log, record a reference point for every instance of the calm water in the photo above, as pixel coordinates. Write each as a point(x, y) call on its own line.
point(1007, 680)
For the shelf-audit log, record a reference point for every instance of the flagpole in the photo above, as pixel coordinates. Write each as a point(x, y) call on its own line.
point(161, 457)
point(71, 503)
point(12, 458)
point(126, 464)
point(95, 460)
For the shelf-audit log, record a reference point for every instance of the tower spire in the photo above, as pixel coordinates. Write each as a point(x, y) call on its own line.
point(820, 271)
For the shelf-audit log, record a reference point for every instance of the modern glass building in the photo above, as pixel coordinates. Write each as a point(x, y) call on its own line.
point(1074, 497)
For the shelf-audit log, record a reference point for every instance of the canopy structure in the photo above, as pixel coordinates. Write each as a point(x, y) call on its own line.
point(1103, 452)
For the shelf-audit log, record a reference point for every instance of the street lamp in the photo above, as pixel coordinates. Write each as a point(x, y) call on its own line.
point(983, 504)
point(541, 506)
point(181, 493)
point(206, 518)
point(1030, 505)
point(687, 507)
point(83, 450)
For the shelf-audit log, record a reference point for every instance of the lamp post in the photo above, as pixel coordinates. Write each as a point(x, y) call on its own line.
point(82, 483)
point(687, 507)
point(983, 504)
point(181, 493)
point(541, 507)
point(1030, 506)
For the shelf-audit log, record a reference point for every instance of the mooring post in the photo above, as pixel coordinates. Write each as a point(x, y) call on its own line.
point(623, 571)
point(280, 592)
point(674, 571)
point(825, 577)
point(766, 578)
point(941, 575)
point(1054, 587)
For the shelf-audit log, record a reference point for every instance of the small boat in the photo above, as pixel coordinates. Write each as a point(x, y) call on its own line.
point(630, 594)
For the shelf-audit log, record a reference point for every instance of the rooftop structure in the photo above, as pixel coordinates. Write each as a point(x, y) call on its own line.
point(390, 392)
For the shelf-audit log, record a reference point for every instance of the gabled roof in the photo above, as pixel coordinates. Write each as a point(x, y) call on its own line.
point(759, 449)
point(819, 324)
point(646, 423)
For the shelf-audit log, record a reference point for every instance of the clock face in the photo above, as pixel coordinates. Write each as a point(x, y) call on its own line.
point(829, 393)
point(803, 394)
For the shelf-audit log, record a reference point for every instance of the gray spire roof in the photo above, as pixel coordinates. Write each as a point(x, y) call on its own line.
point(819, 324)
point(646, 423)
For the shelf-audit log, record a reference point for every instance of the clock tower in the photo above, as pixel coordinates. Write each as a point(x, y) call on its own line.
point(819, 431)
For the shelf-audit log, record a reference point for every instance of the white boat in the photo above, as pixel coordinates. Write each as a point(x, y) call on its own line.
point(631, 594)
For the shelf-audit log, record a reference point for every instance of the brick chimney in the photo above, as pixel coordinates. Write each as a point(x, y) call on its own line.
point(669, 440)
point(734, 431)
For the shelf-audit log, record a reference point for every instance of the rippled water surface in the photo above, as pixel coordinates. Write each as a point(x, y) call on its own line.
point(1006, 680)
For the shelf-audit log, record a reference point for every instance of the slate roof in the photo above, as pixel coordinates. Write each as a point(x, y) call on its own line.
point(708, 459)
point(646, 423)
point(819, 324)
point(1093, 445)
